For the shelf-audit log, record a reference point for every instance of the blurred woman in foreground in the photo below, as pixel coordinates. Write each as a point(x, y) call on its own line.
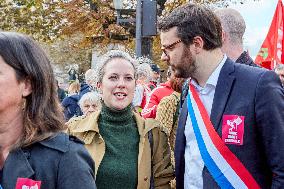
point(34, 152)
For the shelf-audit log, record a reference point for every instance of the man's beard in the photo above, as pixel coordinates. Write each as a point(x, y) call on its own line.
point(186, 66)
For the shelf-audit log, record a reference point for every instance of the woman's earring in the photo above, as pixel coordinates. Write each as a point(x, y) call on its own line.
point(24, 103)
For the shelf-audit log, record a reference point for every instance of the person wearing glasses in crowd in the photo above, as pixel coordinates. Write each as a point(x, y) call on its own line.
point(34, 150)
point(231, 127)
point(129, 152)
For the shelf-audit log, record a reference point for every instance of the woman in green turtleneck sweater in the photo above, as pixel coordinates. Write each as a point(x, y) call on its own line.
point(117, 138)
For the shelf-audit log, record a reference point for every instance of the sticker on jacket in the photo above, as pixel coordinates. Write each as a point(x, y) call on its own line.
point(233, 129)
point(25, 183)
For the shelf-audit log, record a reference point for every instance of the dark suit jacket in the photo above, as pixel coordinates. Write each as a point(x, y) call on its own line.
point(244, 58)
point(256, 94)
point(60, 162)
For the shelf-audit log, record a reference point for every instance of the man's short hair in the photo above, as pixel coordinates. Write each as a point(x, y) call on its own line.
point(232, 23)
point(194, 20)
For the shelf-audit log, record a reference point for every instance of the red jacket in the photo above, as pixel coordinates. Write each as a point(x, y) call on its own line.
point(149, 111)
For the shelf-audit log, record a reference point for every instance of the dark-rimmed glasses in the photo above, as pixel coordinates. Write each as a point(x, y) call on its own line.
point(170, 46)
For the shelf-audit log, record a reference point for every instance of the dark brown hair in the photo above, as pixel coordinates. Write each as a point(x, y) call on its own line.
point(42, 114)
point(194, 20)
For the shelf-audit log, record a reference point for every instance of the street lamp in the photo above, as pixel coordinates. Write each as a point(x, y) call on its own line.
point(138, 33)
point(145, 23)
point(118, 5)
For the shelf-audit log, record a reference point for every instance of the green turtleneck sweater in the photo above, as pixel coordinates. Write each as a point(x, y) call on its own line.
point(119, 167)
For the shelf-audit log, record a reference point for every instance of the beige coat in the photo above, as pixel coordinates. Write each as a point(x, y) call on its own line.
point(86, 129)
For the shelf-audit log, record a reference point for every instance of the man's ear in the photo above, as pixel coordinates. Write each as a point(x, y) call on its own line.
point(26, 87)
point(224, 36)
point(198, 44)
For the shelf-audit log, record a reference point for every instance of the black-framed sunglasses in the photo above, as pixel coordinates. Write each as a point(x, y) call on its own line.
point(170, 46)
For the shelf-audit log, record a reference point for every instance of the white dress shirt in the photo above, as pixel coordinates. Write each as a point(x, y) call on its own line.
point(193, 160)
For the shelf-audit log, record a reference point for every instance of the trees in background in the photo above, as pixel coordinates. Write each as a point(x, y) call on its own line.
point(70, 29)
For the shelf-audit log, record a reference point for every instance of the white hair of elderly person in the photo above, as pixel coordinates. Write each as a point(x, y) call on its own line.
point(89, 103)
point(142, 90)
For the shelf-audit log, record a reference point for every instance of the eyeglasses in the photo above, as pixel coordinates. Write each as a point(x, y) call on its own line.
point(170, 46)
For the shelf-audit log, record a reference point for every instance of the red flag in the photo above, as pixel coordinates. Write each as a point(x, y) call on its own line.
point(271, 50)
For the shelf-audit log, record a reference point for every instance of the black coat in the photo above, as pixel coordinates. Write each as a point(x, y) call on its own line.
point(244, 58)
point(61, 94)
point(71, 106)
point(60, 162)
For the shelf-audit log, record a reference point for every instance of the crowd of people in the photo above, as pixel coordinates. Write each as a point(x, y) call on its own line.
point(217, 122)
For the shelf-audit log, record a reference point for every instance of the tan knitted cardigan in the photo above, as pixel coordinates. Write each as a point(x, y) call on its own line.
point(165, 115)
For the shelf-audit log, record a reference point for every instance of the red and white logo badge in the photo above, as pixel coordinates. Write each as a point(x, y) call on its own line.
point(25, 183)
point(233, 129)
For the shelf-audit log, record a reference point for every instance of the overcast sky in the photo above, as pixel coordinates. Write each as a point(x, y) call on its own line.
point(258, 16)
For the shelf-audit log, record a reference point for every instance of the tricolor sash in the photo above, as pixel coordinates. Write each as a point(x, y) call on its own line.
point(223, 165)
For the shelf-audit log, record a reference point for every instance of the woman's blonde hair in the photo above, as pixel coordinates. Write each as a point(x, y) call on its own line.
point(110, 55)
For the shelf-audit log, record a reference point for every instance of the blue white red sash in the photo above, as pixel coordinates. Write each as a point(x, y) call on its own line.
point(223, 165)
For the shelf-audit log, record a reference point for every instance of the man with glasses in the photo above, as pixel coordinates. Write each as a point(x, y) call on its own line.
point(231, 127)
